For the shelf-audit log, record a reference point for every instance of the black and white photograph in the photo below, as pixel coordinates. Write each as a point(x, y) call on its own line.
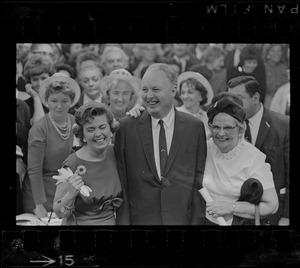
point(154, 138)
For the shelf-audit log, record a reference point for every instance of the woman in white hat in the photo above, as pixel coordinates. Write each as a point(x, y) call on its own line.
point(50, 142)
point(196, 94)
point(121, 90)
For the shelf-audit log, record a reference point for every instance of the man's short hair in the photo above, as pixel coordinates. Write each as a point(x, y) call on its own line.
point(167, 69)
point(251, 84)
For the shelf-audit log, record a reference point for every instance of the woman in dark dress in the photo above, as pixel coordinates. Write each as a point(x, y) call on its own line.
point(92, 195)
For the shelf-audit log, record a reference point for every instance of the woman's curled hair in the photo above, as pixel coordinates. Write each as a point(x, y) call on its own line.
point(88, 112)
point(59, 87)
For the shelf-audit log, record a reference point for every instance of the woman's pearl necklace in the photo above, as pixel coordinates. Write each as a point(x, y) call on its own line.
point(58, 127)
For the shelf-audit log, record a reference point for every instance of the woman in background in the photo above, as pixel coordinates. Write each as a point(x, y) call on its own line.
point(196, 94)
point(121, 90)
point(36, 70)
point(276, 71)
point(50, 141)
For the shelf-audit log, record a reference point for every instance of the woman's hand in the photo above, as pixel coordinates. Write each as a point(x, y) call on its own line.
point(40, 211)
point(136, 111)
point(31, 91)
point(219, 208)
point(76, 182)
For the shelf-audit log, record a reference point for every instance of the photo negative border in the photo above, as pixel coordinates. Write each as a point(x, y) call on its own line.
point(144, 21)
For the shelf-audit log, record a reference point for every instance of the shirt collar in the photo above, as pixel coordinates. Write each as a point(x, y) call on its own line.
point(255, 119)
point(168, 119)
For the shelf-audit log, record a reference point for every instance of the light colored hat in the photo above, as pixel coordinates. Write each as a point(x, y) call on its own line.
point(59, 77)
point(199, 77)
point(120, 74)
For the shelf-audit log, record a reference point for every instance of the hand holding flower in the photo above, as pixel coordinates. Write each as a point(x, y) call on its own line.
point(76, 183)
point(66, 174)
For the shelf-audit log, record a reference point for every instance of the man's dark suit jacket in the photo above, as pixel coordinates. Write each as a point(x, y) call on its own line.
point(149, 201)
point(274, 140)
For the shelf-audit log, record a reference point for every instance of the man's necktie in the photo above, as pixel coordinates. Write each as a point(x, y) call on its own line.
point(248, 132)
point(163, 153)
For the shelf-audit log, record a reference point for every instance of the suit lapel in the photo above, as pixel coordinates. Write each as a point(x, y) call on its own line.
point(263, 129)
point(145, 131)
point(176, 140)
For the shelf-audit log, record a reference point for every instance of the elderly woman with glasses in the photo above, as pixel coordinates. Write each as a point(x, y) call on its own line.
point(234, 167)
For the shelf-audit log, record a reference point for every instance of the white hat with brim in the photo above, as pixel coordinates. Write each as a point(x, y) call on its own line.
point(60, 77)
point(120, 74)
point(199, 77)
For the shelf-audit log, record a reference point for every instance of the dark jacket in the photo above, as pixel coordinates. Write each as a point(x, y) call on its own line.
point(175, 200)
point(274, 140)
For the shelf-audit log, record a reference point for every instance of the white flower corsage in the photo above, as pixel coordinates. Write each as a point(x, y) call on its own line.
point(66, 173)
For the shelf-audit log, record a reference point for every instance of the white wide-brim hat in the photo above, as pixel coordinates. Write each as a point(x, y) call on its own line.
point(199, 77)
point(59, 77)
point(120, 74)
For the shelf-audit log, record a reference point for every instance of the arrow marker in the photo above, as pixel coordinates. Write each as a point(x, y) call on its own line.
point(48, 261)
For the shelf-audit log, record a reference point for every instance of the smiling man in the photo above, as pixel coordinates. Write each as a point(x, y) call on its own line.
point(161, 192)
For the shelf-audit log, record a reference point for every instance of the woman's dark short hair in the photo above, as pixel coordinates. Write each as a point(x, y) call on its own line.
point(249, 52)
point(37, 65)
point(89, 111)
point(59, 87)
point(194, 83)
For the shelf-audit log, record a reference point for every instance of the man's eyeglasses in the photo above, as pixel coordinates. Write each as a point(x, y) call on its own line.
point(227, 129)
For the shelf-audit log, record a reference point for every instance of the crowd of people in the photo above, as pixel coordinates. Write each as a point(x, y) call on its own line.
point(128, 134)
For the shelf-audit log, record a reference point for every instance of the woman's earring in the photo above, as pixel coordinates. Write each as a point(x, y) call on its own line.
point(84, 140)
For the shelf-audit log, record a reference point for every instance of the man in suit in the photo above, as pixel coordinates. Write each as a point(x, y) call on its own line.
point(270, 133)
point(157, 193)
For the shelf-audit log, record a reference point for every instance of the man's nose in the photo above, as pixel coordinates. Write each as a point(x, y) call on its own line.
point(149, 94)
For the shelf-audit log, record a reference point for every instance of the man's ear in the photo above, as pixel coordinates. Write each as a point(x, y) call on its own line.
point(174, 89)
point(256, 96)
